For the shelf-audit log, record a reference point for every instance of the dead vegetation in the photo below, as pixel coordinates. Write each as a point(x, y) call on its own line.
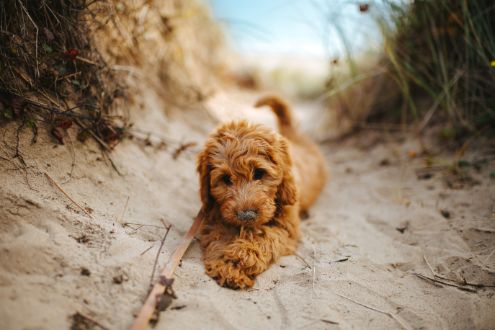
point(175, 45)
point(52, 74)
point(435, 68)
point(72, 65)
point(161, 293)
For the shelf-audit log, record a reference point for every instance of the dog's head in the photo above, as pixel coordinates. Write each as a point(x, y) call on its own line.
point(246, 172)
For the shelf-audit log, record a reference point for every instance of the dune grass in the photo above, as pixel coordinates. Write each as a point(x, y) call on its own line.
point(437, 66)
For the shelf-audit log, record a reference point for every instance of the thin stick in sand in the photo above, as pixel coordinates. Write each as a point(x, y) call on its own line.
point(167, 229)
point(67, 195)
point(154, 297)
point(434, 280)
point(119, 220)
point(140, 225)
point(391, 315)
point(456, 284)
point(142, 253)
point(300, 257)
point(429, 266)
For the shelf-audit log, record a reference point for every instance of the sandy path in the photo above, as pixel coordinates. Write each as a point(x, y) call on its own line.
point(369, 233)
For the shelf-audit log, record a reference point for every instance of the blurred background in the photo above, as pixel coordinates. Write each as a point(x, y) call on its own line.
point(395, 62)
point(293, 44)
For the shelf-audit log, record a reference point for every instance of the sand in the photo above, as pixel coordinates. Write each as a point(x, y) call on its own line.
point(376, 229)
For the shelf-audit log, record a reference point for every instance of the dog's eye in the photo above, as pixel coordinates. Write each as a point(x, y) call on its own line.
point(226, 179)
point(258, 174)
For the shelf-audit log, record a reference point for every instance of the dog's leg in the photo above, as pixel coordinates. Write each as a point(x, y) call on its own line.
point(256, 251)
point(215, 240)
point(235, 258)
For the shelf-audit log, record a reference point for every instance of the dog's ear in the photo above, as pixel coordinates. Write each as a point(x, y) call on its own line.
point(287, 191)
point(203, 167)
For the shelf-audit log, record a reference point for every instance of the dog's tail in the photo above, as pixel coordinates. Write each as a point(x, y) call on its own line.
point(280, 108)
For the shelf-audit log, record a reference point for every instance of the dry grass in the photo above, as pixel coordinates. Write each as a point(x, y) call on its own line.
point(436, 68)
point(50, 72)
point(71, 64)
point(175, 44)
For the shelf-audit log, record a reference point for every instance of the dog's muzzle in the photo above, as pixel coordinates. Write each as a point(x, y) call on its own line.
point(247, 215)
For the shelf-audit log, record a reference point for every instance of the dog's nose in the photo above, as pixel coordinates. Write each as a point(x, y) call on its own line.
point(246, 215)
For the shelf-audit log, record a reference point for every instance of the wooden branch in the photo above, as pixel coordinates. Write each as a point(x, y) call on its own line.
point(142, 320)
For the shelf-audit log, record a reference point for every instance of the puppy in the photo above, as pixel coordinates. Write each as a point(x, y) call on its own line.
point(254, 183)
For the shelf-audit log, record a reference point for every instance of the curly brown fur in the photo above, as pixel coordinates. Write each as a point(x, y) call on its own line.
point(252, 185)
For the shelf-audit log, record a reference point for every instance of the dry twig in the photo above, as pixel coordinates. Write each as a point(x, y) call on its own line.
point(80, 321)
point(167, 229)
point(302, 259)
point(183, 147)
point(73, 155)
point(429, 266)
point(105, 147)
point(119, 220)
point(142, 253)
point(67, 195)
point(314, 270)
point(455, 283)
point(434, 280)
point(139, 224)
point(391, 315)
point(37, 32)
point(166, 278)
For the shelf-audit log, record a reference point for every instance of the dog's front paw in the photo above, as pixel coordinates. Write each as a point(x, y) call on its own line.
point(228, 274)
point(248, 258)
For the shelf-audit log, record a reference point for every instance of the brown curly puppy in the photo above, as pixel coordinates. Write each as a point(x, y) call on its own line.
point(254, 183)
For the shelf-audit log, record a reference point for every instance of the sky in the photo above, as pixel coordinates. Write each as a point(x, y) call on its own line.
point(314, 28)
